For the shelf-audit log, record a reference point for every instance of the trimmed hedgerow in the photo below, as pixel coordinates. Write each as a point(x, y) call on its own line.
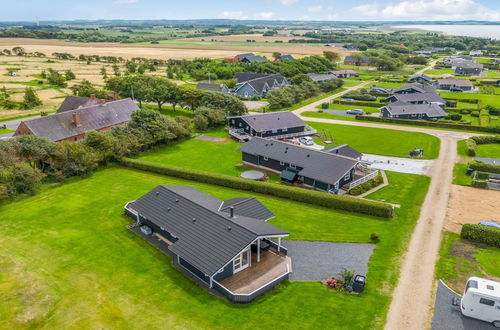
point(483, 167)
point(344, 203)
point(482, 234)
point(486, 139)
point(470, 147)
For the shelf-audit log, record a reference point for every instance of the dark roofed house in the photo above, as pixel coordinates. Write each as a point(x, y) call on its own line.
point(284, 57)
point(344, 73)
point(257, 84)
point(226, 246)
point(414, 88)
point(77, 102)
point(417, 98)
point(420, 78)
point(454, 83)
point(317, 77)
point(403, 110)
point(351, 60)
point(249, 58)
point(221, 88)
point(279, 124)
point(72, 125)
point(469, 69)
point(322, 170)
point(344, 150)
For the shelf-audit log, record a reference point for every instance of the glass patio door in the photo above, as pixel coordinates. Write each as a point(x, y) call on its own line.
point(242, 261)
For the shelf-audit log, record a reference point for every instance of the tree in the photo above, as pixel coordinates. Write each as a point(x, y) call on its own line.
point(104, 73)
point(55, 78)
point(276, 55)
point(36, 150)
point(87, 89)
point(331, 56)
point(31, 99)
point(299, 79)
point(116, 70)
point(72, 159)
point(191, 97)
point(133, 86)
point(131, 67)
point(69, 75)
point(19, 51)
point(205, 118)
point(102, 143)
point(158, 90)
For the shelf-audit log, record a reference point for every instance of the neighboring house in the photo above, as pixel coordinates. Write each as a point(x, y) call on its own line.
point(469, 69)
point(321, 170)
point(414, 88)
point(72, 125)
point(420, 78)
point(257, 84)
point(344, 150)
point(453, 83)
point(495, 61)
point(321, 77)
point(226, 246)
point(351, 60)
point(417, 98)
point(344, 73)
point(284, 57)
point(376, 89)
point(429, 51)
point(77, 102)
point(213, 87)
point(277, 124)
point(456, 59)
point(249, 58)
point(412, 111)
point(476, 53)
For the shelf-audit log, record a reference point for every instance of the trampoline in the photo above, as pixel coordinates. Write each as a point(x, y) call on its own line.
point(253, 175)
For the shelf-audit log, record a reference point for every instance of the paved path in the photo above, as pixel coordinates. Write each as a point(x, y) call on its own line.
point(412, 299)
point(449, 317)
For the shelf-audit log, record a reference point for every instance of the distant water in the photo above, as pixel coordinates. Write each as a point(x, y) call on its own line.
point(481, 31)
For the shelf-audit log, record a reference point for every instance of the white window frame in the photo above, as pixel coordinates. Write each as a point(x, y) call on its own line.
point(238, 264)
point(347, 176)
point(285, 129)
point(266, 158)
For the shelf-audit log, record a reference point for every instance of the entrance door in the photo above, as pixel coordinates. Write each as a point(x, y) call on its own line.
point(242, 261)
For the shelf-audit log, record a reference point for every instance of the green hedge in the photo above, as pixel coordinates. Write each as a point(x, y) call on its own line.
point(344, 203)
point(482, 234)
point(361, 104)
point(470, 147)
point(429, 124)
point(483, 167)
point(486, 139)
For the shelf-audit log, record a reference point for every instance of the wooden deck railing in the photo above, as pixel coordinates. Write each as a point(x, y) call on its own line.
point(363, 179)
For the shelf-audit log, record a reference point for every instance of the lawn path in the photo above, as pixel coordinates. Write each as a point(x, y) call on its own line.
point(411, 306)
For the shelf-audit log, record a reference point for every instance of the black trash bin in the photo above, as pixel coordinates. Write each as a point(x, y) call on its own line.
point(357, 283)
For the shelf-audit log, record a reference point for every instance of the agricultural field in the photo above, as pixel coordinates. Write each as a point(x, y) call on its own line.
point(81, 267)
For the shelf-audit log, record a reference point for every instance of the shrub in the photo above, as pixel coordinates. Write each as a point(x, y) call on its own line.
point(455, 116)
point(364, 187)
point(293, 193)
point(325, 105)
point(486, 139)
point(474, 113)
point(470, 147)
point(374, 237)
point(483, 167)
point(482, 234)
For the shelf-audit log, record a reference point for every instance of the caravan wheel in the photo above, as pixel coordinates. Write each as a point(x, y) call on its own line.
point(496, 324)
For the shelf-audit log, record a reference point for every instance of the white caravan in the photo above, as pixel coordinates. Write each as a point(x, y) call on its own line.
point(481, 300)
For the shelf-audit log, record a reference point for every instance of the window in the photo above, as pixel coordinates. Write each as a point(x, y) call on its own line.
point(275, 131)
point(285, 129)
point(487, 302)
point(282, 163)
point(239, 124)
point(266, 159)
point(242, 261)
point(347, 176)
point(471, 284)
point(232, 121)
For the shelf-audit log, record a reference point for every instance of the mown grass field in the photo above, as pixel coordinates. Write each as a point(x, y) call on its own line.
point(379, 141)
point(5, 130)
point(68, 261)
point(461, 259)
point(488, 150)
point(491, 99)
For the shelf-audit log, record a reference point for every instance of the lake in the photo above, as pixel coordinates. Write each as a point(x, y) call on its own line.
point(481, 31)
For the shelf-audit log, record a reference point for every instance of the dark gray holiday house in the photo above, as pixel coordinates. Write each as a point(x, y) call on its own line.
point(226, 246)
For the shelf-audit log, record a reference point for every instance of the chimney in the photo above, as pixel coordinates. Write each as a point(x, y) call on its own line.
point(92, 96)
point(231, 212)
point(77, 120)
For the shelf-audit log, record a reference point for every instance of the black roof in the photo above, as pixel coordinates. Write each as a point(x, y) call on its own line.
point(344, 150)
point(211, 87)
point(285, 57)
point(418, 87)
point(420, 76)
point(207, 237)
point(250, 57)
point(318, 165)
point(245, 76)
point(272, 120)
point(75, 102)
point(417, 97)
point(60, 126)
point(248, 207)
point(400, 108)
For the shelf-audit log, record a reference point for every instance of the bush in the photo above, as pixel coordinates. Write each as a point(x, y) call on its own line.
point(325, 105)
point(486, 139)
point(455, 116)
point(364, 187)
point(374, 237)
point(470, 147)
point(474, 113)
point(481, 234)
point(483, 167)
point(293, 193)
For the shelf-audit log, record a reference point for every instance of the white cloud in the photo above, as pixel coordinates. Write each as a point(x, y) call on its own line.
point(332, 17)
point(121, 2)
point(288, 2)
point(233, 15)
point(314, 9)
point(264, 15)
point(429, 10)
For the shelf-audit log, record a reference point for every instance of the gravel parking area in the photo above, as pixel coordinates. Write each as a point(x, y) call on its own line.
point(396, 164)
point(316, 261)
point(449, 317)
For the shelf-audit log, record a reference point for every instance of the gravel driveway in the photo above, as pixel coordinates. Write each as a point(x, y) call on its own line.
point(316, 261)
point(449, 317)
point(397, 164)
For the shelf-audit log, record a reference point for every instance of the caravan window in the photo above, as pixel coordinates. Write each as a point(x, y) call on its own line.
point(471, 284)
point(488, 302)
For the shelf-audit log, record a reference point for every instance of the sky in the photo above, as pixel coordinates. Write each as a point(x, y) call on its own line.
point(327, 10)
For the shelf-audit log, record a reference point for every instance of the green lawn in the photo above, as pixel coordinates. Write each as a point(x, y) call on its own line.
point(459, 175)
point(461, 259)
point(488, 150)
point(386, 84)
point(351, 83)
point(366, 109)
point(316, 114)
point(380, 141)
point(5, 130)
point(310, 100)
point(68, 261)
point(440, 72)
point(486, 99)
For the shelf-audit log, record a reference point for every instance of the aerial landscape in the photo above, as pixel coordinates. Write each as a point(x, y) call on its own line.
point(284, 164)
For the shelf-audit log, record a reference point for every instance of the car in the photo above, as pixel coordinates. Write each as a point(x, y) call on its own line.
point(307, 140)
point(454, 89)
point(490, 223)
point(355, 112)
